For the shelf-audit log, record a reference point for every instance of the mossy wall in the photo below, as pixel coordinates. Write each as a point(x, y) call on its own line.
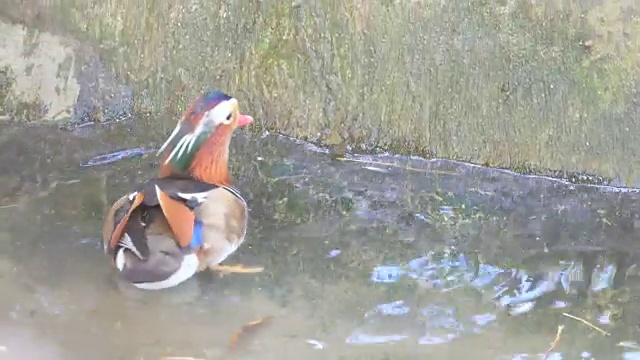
point(548, 83)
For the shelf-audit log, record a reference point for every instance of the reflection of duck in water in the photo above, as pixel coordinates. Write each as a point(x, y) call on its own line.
point(190, 218)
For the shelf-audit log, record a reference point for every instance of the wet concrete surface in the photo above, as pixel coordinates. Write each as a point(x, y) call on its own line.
point(372, 257)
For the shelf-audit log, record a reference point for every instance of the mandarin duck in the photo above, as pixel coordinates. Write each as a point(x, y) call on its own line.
point(189, 218)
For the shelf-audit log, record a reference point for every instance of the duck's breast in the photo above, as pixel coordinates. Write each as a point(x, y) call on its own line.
point(224, 217)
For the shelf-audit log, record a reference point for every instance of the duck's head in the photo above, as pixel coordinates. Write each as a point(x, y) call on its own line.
point(211, 119)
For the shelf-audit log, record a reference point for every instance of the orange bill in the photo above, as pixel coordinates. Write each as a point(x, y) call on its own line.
point(244, 120)
point(117, 232)
point(179, 217)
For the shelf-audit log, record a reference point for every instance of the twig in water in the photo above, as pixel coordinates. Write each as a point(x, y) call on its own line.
point(397, 166)
point(629, 345)
point(244, 330)
point(587, 323)
point(555, 342)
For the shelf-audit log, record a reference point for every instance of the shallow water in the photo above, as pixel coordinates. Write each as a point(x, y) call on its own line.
point(363, 260)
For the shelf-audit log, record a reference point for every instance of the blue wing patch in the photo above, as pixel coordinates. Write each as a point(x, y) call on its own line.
point(196, 239)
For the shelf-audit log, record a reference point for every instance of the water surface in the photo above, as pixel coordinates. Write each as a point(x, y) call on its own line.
point(393, 259)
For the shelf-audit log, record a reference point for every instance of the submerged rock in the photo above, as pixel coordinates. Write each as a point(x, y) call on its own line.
point(48, 77)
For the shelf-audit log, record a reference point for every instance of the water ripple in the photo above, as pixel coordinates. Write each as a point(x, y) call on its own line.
point(518, 291)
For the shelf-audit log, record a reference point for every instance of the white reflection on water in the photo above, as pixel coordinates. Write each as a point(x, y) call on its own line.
point(465, 296)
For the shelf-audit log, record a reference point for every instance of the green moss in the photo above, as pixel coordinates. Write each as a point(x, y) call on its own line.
point(6, 83)
point(497, 83)
point(11, 107)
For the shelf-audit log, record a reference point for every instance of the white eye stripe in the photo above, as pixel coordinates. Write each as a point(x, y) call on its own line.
point(218, 115)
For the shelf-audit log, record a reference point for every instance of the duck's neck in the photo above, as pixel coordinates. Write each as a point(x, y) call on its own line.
point(211, 162)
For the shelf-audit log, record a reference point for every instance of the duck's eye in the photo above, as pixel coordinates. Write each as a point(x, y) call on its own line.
point(229, 117)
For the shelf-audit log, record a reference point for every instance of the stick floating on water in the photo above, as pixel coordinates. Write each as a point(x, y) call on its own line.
point(247, 328)
point(587, 323)
point(555, 342)
point(381, 163)
point(116, 156)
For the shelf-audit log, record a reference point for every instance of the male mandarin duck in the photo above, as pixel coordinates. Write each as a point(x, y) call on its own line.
point(189, 218)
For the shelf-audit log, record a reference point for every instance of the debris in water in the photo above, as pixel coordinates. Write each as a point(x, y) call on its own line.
point(246, 329)
point(116, 156)
point(586, 323)
point(421, 217)
point(409, 168)
point(376, 169)
point(555, 342)
point(316, 344)
point(334, 253)
point(629, 345)
point(387, 273)
point(179, 358)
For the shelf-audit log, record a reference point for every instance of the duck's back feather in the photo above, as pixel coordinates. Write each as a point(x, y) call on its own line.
point(186, 211)
point(176, 196)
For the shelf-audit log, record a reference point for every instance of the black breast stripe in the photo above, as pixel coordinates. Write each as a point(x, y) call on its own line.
point(235, 192)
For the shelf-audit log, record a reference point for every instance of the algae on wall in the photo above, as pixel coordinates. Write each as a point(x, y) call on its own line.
point(550, 83)
point(12, 107)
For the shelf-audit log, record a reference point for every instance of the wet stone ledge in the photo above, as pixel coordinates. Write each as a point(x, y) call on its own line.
point(45, 77)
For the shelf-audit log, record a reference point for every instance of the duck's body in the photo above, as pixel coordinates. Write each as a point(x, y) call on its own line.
point(189, 218)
